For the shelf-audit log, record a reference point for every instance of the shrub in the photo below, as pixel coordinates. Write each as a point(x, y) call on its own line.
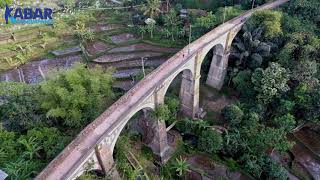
point(190, 126)
point(77, 96)
point(20, 107)
point(233, 114)
point(269, 20)
point(287, 122)
point(162, 112)
point(210, 141)
point(276, 171)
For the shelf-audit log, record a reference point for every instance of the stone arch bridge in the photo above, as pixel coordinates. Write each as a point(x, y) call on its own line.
point(93, 148)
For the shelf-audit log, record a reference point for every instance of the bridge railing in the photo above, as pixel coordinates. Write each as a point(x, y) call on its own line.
point(82, 146)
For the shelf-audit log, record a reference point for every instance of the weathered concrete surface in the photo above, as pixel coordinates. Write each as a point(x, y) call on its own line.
point(148, 93)
point(159, 143)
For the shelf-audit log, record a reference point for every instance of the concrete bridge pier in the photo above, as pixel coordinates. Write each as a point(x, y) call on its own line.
point(218, 68)
point(159, 143)
point(105, 158)
point(154, 135)
point(189, 94)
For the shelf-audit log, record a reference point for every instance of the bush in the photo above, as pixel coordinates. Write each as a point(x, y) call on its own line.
point(227, 13)
point(276, 171)
point(190, 126)
point(210, 141)
point(243, 84)
point(77, 96)
point(173, 105)
point(162, 112)
point(269, 20)
point(233, 114)
point(287, 122)
point(307, 9)
point(20, 108)
point(52, 141)
point(8, 147)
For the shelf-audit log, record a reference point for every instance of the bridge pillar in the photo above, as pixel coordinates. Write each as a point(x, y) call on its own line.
point(159, 142)
point(189, 94)
point(218, 70)
point(105, 157)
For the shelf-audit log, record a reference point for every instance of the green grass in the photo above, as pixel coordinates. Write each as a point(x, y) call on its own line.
point(160, 41)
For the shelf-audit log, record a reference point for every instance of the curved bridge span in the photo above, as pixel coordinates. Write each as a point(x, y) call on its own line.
point(93, 148)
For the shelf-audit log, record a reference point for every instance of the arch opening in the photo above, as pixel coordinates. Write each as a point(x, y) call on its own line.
point(142, 139)
point(181, 90)
point(213, 71)
point(212, 67)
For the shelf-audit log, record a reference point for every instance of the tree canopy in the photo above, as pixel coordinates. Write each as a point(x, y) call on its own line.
point(77, 96)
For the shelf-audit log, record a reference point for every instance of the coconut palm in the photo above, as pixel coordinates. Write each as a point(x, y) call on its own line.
point(248, 50)
point(152, 8)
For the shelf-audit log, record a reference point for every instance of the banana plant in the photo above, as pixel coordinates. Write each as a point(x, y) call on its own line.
point(248, 49)
point(31, 147)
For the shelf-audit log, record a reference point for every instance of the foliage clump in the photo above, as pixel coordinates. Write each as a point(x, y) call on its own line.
point(269, 20)
point(77, 96)
point(210, 141)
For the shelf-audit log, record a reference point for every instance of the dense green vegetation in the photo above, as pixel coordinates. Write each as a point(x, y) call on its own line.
point(37, 121)
point(275, 70)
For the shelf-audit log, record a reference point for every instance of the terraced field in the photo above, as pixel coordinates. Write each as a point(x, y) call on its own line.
point(114, 46)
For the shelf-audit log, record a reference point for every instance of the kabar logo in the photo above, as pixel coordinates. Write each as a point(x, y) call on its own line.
point(28, 15)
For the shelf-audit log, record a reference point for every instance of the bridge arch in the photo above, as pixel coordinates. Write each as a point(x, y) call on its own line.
point(189, 83)
point(184, 72)
point(220, 49)
point(104, 151)
point(211, 60)
point(147, 106)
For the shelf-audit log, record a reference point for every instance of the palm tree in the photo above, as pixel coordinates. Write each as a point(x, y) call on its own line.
point(150, 28)
point(166, 32)
point(152, 8)
point(142, 30)
point(171, 20)
point(181, 166)
point(248, 49)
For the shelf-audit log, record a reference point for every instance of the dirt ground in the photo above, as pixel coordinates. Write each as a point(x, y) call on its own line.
point(213, 101)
